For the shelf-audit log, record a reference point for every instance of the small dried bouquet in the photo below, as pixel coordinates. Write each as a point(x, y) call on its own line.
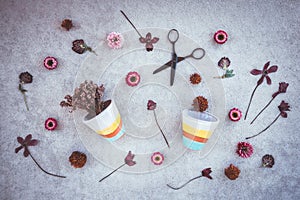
point(88, 96)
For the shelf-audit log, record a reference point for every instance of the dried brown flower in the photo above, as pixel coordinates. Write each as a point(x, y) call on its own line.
point(232, 172)
point(195, 78)
point(200, 104)
point(77, 159)
point(268, 161)
point(67, 24)
point(25, 77)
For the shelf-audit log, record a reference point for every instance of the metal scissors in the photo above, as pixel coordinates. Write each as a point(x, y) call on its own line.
point(197, 54)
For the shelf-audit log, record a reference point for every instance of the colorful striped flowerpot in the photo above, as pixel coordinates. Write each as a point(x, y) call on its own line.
point(197, 128)
point(108, 123)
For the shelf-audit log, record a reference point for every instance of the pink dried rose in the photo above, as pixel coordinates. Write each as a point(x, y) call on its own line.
point(127, 161)
point(157, 158)
point(25, 143)
point(115, 40)
point(205, 173)
point(244, 149)
point(133, 79)
point(264, 75)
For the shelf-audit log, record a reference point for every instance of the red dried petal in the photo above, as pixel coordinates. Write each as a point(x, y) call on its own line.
point(266, 66)
point(142, 40)
point(26, 152)
point(20, 140)
point(129, 159)
point(28, 138)
point(18, 149)
point(256, 72)
point(283, 114)
point(269, 82)
point(148, 36)
point(272, 69)
point(154, 40)
point(33, 142)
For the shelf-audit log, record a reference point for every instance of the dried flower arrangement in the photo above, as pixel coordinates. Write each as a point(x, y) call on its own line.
point(88, 96)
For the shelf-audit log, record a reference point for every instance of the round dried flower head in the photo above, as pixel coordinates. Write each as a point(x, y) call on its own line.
point(115, 40)
point(220, 37)
point(133, 79)
point(268, 161)
point(244, 149)
point(224, 63)
point(200, 104)
point(67, 24)
point(235, 114)
point(77, 159)
point(157, 158)
point(50, 124)
point(50, 63)
point(195, 78)
point(25, 77)
point(232, 172)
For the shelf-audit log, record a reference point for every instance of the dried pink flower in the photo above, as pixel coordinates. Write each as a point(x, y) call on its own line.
point(115, 40)
point(50, 63)
point(133, 79)
point(51, 124)
point(157, 158)
point(244, 149)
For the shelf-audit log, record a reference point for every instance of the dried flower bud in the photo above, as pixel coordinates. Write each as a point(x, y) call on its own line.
point(200, 104)
point(232, 172)
point(25, 77)
point(195, 78)
point(224, 63)
point(268, 161)
point(77, 159)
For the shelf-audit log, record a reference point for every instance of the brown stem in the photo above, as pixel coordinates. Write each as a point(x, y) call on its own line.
point(131, 23)
point(264, 129)
point(25, 100)
point(250, 101)
point(112, 172)
point(160, 129)
point(43, 169)
point(262, 110)
point(177, 188)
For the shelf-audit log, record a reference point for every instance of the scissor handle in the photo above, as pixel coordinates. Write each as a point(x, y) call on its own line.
point(197, 54)
point(173, 35)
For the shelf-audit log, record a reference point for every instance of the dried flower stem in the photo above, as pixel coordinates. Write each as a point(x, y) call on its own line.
point(24, 95)
point(262, 110)
point(112, 172)
point(131, 23)
point(45, 170)
point(160, 129)
point(265, 128)
point(177, 188)
point(250, 101)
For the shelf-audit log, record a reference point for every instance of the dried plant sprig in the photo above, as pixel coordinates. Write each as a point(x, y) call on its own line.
point(264, 74)
point(228, 74)
point(282, 89)
point(80, 47)
point(25, 143)
point(283, 107)
point(151, 105)
point(205, 173)
point(128, 161)
point(24, 78)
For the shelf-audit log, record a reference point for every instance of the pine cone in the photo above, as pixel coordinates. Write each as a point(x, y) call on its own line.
point(195, 78)
point(200, 104)
point(77, 159)
point(232, 172)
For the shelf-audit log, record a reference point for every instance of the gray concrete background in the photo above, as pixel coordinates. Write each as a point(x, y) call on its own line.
point(259, 31)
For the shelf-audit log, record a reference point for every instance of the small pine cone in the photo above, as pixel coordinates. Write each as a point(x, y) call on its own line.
point(232, 172)
point(77, 159)
point(195, 78)
point(200, 104)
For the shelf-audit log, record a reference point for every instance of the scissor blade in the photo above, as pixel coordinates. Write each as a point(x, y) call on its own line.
point(165, 66)
point(172, 73)
point(179, 59)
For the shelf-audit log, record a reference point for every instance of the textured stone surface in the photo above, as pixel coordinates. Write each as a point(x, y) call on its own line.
point(259, 31)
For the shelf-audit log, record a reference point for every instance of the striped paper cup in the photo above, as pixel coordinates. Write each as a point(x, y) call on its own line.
point(108, 123)
point(197, 128)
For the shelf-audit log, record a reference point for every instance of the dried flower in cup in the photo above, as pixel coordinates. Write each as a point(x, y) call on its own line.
point(25, 143)
point(205, 173)
point(88, 96)
point(24, 78)
point(264, 75)
point(200, 104)
point(282, 89)
point(128, 161)
point(283, 107)
point(151, 105)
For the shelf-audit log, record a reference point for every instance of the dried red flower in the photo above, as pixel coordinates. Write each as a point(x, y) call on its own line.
point(264, 74)
point(195, 78)
point(51, 124)
point(232, 172)
point(206, 173)
point(77, 159)
point(244, 149)
point(200, 104)
point(67, 24)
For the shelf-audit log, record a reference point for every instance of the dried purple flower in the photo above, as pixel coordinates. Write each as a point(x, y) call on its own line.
point(25, 143)
point(224, 63)
point(24, 78)
point(128, 161)
point(205, 173)
point(151, 105)
point(80, 47)
point(283, 107)
point(268, 161)
point(282, 89)
point(264, 74)
point(149, 41)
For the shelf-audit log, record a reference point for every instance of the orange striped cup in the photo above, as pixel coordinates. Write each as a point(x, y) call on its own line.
point(197, 128)
point(108, 123)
